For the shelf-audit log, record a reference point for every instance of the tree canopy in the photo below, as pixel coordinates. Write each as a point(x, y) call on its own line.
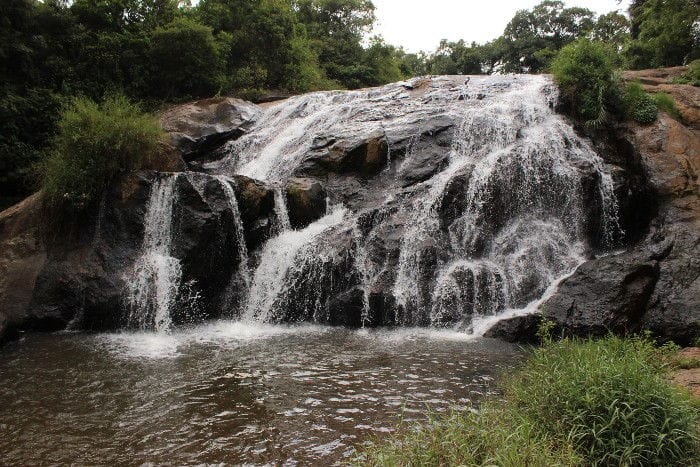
point(159, 51)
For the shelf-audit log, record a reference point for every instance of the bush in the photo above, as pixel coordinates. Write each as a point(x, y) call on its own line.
point(610, 399)
point(692, 76)
point(95, 143)
point(584, 71)
point(666, 103)
point(639, 105)
point(575, 402)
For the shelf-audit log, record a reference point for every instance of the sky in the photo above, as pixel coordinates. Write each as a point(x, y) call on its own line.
point(420, 25)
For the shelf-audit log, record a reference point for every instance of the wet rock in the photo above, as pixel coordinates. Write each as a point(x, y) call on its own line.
point(306, 201)
point(200, 127)
point(521, 329)
point(363, 157)
point(605, 295)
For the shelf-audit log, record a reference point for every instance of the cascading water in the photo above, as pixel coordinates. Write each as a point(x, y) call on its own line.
point(283, 259)
point(488, 232)
point(242, 253)
point(152, 288)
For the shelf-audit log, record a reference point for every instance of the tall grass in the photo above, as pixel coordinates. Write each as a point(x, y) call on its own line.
point(575, 402)
point(666, 103)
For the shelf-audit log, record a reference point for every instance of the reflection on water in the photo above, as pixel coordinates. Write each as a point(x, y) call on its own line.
point(230, 393)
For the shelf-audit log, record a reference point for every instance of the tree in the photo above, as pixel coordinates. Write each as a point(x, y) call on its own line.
point(533, 37)
point(664, 33)
point(185, 61)
point(336, 29)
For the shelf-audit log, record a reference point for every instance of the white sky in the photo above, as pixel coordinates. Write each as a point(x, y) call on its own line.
point(419, 25)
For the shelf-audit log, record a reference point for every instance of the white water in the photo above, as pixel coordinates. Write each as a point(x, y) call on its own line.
point(281, 211)
point(243, 260)
point(281, 257)
point(152, 287)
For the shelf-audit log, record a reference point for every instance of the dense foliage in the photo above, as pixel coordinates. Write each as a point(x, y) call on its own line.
point(575, 402)
point(584, 71)
point(638, 104)
point(93, 145)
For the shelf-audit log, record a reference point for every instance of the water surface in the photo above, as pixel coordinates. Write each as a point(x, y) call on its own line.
point(231, 393)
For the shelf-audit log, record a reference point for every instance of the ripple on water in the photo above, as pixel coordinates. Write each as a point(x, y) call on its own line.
point(231, 392)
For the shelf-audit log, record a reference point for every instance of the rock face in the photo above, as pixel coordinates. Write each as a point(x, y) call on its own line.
point(81, 280)
point(198, 128)
point(436, 202)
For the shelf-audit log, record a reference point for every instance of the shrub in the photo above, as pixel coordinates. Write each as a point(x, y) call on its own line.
point(610, 399)
point(666, 103)
point(95, 143)
point(584, 71)
point(639, 105)
point(692, 76)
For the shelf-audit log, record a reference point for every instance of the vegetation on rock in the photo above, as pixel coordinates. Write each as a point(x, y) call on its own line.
point(95, 144)
point(159, 51)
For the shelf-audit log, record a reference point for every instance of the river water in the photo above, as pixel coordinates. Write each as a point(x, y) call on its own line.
point(231, 393)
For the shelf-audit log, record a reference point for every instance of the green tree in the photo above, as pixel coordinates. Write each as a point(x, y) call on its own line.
point(336, 29)
point(664, 33)
point(533, 37)
point(184, 61)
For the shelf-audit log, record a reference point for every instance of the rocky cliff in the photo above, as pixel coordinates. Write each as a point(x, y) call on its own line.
point(439, 202)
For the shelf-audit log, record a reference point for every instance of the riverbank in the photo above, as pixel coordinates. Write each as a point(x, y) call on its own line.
point(574, 402)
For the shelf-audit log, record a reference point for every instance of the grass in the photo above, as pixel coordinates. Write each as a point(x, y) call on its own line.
point(692, 76)
point(639, 105)
point(575, 402)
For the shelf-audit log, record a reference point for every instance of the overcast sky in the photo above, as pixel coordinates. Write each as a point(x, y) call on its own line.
point(420, 25)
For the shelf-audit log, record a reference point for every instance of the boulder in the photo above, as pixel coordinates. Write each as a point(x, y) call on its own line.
point(520, 329)
point(608, 294)
point(22, 256)
point(200, 127)
point(306, 201)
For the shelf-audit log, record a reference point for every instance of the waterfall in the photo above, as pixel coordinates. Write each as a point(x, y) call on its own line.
point(243, 260)
point(152, 288)
point(502, 217)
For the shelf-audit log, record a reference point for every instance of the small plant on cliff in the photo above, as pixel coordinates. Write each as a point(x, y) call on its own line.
point(95, 144)
point(584, 71)
point(639, 105)
point(666, 103)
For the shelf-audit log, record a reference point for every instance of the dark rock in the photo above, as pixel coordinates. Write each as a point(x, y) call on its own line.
point(608, 294)
point(200, 127)
point(363, 157)
point(521, 329)
point(306, 201)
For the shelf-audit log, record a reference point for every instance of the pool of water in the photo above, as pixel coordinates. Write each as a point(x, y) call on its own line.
point(231, 393)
